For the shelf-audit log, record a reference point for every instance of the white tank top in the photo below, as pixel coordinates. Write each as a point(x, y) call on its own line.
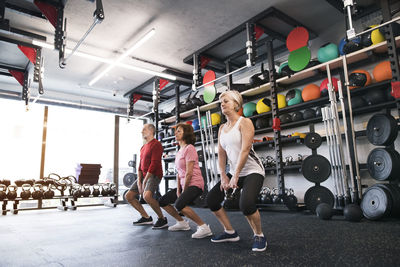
point(231, 142)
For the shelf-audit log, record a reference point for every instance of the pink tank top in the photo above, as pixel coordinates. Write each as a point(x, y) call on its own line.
point(184, 155)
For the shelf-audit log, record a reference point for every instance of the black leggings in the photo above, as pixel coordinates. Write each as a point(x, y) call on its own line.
point(251, 187)
point(186, 197)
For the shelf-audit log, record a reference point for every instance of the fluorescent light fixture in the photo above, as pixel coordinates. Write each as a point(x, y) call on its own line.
point(139, 43)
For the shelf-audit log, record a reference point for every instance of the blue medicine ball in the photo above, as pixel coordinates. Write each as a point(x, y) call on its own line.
point(195, 124)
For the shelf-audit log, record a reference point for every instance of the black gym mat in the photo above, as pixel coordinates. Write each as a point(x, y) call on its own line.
point(106, 237)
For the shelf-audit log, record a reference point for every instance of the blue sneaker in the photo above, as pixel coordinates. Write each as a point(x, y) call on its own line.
point(225, 237)
point(260, 243)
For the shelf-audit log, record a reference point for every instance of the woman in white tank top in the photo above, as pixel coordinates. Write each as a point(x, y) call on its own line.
point(235, 146)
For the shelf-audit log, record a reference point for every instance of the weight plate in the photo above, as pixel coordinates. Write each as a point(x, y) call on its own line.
point(382, 130)
point(313, 140)
point(376, 203)
point(130, 163)
point(316, 168)
point(394, 191)
point(316, 195)
point(129, 178)
point(383, 163)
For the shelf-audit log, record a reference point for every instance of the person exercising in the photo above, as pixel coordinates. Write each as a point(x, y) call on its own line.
point(149, 177)
point(246, 171)
point(190, 184)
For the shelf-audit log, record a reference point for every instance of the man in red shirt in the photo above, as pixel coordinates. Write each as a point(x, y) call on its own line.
point(149, 177)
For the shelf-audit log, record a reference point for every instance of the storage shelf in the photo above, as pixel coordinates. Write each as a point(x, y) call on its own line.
point(284, 140)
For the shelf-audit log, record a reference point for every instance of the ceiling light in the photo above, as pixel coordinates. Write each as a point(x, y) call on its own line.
point(139, 43)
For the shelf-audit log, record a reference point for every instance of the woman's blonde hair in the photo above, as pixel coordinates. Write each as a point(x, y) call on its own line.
point(235, 96)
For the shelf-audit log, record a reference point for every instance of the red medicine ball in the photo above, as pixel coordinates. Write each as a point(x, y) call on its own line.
point(324, 86)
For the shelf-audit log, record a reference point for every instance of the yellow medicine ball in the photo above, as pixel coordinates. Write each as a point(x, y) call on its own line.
point(263, 105)
point(215, 118)
point(281, 101)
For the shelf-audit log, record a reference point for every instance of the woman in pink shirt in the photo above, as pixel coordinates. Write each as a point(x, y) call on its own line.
point(190, 184)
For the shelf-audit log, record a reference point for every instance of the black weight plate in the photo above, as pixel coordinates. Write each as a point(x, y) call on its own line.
point(376, 203)
point(382, 130)
point(128, 179)
point(313, 140)
point(316, 168)
point(394, 191)
point(316, 195)
point(383, 163)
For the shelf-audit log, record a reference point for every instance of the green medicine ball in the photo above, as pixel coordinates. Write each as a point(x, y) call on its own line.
point(249, 109)
point(293, 97)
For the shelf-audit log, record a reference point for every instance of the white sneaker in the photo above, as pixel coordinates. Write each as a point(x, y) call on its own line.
point(180, 226)
point(202, 231)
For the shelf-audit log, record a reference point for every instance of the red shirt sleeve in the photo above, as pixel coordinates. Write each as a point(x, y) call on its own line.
point(156, 154)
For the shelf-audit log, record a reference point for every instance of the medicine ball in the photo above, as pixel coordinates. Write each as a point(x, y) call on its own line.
point(312, 63)
point(240, 112)
point(215, 118)
point(324, 211)
point(293, 97)
point(353, 213)
point(297, 116)
point(189, 122)
point(318, 112)
point(324, 86)
point(373, 97)
point(309, 114)
point(327, 52)
point(281, 101)
point(310, 92)
point(262, 123)
point(372, 38)
point(284, 70)
point(356, 102)
point(349, 46)
point(285, 118)
point(263, 105)
point(249, 109)
point(160, 136)
point(359, 78)
point(382, 71)
point(195, 124)
point(204, 121)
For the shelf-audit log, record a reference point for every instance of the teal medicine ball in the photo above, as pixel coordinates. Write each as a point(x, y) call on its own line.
point(293, 97)
point(328, 52)
point(249, 109)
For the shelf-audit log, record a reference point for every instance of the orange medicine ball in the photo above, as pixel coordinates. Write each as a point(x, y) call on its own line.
point(382, 71)
point(310, 92)
point(240, 112)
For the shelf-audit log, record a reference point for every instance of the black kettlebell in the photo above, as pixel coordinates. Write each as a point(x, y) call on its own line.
point(297, 116)
point(96, 190)
point(113, 189)
point(26, 191)
point(76, 190)
point(277, 199)
point(196, 101)
point(266, 195)
point(12, 192)
point(85, 190)
point(291, 200)
point(37, 191)
point(232, 198)
point(3, 193)
point(49, 193)
point(105, 191)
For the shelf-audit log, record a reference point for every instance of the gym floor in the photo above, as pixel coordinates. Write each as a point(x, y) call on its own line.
point(106, 237)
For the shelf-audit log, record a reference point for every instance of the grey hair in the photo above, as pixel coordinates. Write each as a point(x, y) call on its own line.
point(235, 96)
point(151, 127)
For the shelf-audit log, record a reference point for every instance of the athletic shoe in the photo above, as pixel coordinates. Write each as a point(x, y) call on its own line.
point(202, 231)
point(161, 223)
point(225, 237)
point(143, 221)
point(260, 243)
point(180, 226)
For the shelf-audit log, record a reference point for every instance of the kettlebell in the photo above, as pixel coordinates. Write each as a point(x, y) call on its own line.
point(12, 192)
point(37, 191)
point(26, 191)
point(113, 189)
point(5, 182)
point(76, 190)
point(291, 200)
point(266, 196)
point(49, 193)
point(105, 191)
point(96, 190)
point(3, 193)
point(277, 199)
point(85, 191)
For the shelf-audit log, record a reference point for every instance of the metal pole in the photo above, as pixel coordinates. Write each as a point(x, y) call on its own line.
point(214, 162)
point(202, 145)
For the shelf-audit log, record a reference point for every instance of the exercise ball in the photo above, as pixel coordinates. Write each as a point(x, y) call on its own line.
point(215, 118)
point(189, 122)
point(324, 211)
point(324, 86)
point(281, 101)
point(240, 112)
point(377, 96)
point(352, 213)
point(204, 121)
point(359, 78)
point(373, 37)
point(249, 109)
point(293, 97)
point(318, 112)
point(357, 102)
point(195, 124)
point(262, 123)
point(382, 71)
point(297, 116)
point(349, 46)
point(310, 92)
point(285, 118)
point(263, 105)
point(309, 114)
point(284, 70)
point(327, 52)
